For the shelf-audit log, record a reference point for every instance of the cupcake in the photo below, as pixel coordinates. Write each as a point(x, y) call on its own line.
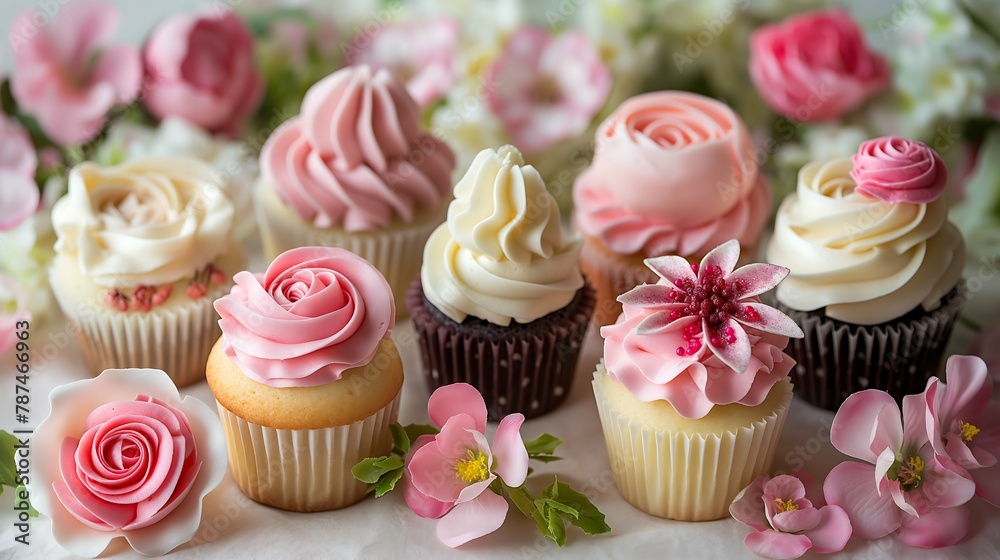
point(306, 377)
point(143, 250)
point(500, 303)
point(875, 270)
point(693, 390)
point(674, 173)
point(354, 170)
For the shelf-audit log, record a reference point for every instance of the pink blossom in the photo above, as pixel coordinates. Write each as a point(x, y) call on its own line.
point(13, 309)
point(420, 53)
point(963, 422)
point(785, 523)
point(896, 169)
point(546, 89)
point(906, 489)
point(18, 191)
point(64, 74)
point(448, 475)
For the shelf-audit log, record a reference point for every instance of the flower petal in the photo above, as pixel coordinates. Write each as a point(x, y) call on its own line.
point(18, 199)
point(967, 391)
point(457, 398)
point(472, 520)
point(654, 323)
point(433, 474)
point(420, 503)
point(649, 296)
point(736, 354)
point(509, 451)
point(851, 486)
point(945, 483)
point(796, 520)
point(748, 505)
point(832, 532)
point(780, 546)
point(724, 256)
point(771, 320)
point(756, 278)
point(938, 528)
point(671, 268)
point(914, 421)
point(853, 428)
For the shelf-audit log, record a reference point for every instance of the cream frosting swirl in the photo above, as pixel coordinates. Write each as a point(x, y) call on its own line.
point(150, 221)
point(501, 255)
point(864, 260)
point(356, 157)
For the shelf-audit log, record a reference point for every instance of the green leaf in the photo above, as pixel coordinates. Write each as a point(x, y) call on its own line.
point(545, 458)
point(542, 503)
point(8, 471)
point(523, 500)
point(371, 470)
point(544, 444)
point(31, 509)
point(413, 431)
point(400, 440)
point(557, 529)
point(388, 482)
point(590, 519)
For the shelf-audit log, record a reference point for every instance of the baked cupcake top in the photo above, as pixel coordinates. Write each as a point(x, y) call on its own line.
point(501, 255)
point(315, 312)
point(673, 173)
point(150, 221)
point(868, 238)
point(700, 337)
point(355, 157)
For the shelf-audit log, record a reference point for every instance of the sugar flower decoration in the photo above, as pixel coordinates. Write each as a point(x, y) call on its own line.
point(122, 455)
point(455, 475)
point(785, 523)
point(711, 303)
point(896, 169)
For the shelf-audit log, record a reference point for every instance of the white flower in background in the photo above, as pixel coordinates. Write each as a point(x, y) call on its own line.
point(25, 254)
point(820, 143)
point(176, 137)
point(466, 123)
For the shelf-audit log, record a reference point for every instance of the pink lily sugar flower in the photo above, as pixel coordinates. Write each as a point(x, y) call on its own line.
point(64, 74)
point(546, 89)
point(786, 524)
point(964, 424)
point(906, 489)
point(448, 475)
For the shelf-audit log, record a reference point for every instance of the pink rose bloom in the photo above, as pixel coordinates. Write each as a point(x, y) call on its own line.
point(18, 192)
point(13, 309)
point(545, 89)
point(897, 170)
point(200, 67)
point(785, 523)
point(905, 488)
point(448, 475)
point(420, 53)
point(315, 312)
point(815, 66)
point(122, 455)
point(64, 74)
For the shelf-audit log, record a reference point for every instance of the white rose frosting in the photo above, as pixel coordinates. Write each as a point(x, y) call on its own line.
point(865, 260)
point(502, 254)
point(150, 221)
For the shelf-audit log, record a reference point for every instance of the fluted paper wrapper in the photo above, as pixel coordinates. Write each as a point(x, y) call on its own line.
point(836, 359)
point(687, 477)
point(396, 251)
point(305, 470)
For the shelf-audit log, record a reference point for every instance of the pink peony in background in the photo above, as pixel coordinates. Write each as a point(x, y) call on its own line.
point(19, 194)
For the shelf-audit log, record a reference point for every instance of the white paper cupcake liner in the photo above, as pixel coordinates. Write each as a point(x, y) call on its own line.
point(687, 477)
point(305, 470)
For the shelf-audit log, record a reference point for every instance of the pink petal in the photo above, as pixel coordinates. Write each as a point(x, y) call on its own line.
point(736, 354)
point(420, 503)
point(724, 256)
point(786, 487)
point(967, 391)
point(472, 520)
point(509, 451)
point(458, 437)
point(882, 465)
point(748, 506)
point(757, 278)
point(81, 27)
point(671, 268)
point(472, 491)
point(655, 323)
point(771, 320)
point(914, 421)
point(648, 296)
point(121, 67)
point(988, 484)
point(796, 520)
point(946, 484)
point(457, 398)
point(832, 532)
point(780, 546)
point(936, 529)
point(853, 429)
point(433, 474)
point(851, 486)
point(910, 503)
point(18, 199)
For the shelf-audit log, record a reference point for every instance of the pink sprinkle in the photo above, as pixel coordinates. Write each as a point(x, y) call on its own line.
point(674, 315)
point(715, 341)
point(680, 351)
point(691, 351)
point(729, 330)
point(671, 295)
point(731, 338)
point(686, 336)
point(678, 283)
point(694, 268)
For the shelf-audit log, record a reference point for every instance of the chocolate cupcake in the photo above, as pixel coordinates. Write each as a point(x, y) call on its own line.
point(875, 271)
point(500, 302)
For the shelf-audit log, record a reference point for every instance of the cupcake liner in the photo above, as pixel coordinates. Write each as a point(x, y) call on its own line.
point(526, 368)
point(305, 470)
point(611, 275)
point(836, 359)
point(687, 477)
point(396, 251)
point(176, 340)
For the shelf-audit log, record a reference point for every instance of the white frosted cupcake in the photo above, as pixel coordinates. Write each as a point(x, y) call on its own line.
point(143, 249)
point(692, 391)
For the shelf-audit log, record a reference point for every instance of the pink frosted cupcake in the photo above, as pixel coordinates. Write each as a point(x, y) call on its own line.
point(674, 173)
point(354, 170)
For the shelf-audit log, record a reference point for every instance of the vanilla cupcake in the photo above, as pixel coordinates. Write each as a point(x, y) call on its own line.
point(674, 173)
point(875, 271)
point(692, 391)
point(501, 303)
point(143, 249)
point(306, 377)
point(354, 170)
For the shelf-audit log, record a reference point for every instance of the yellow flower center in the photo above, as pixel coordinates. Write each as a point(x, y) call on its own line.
point(968, 431)
point(911, 473)
point(473, 469)
point(785, 505)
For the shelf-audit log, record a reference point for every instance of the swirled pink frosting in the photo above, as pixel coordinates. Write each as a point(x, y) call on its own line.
point(315, 313)
point(896, 169)
point(673, 173)
point(134, 465)
point(355, 157)
point(649, 367)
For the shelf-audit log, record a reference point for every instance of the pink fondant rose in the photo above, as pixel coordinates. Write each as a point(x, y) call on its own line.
point(315, 313)
point(815, 67)
point(897, 170)
point(122, 455)
point(200, 68)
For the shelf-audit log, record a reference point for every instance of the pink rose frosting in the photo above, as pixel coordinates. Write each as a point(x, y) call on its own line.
point(897, 170)
point(315, 313)
point(674, 172)
point(356, 157)
point(815, 66)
